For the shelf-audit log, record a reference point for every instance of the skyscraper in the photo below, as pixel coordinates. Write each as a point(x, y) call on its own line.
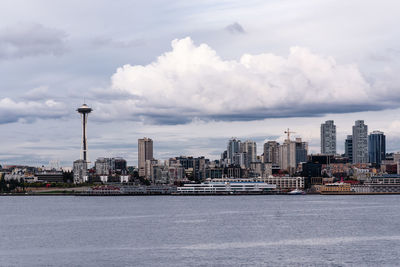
point(250, 148)
point(360, 142)
point(301, 151)
point(348, 148)
point(232, 149)
point(287, 156)
point(376, 147)
point(145, 152)
point(292, 153)
point(328, 138)
point(271, 152)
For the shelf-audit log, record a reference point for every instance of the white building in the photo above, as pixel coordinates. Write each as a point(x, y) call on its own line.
point(226, 187)
point(285, 182)
point(80, 171)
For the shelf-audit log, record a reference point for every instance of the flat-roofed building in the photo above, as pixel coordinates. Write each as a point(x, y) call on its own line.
point(145, 152)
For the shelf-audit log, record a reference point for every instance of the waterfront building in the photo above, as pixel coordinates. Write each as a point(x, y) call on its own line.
point(271, 152)
point(385, 184)
point(328, 137)
point(348, 148)
point(376, 147)
point(360, 142)
point(285, 183)
point(50, 176)
point(145, 152)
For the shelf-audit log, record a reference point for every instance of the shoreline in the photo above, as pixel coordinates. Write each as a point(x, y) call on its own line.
point(173, 194)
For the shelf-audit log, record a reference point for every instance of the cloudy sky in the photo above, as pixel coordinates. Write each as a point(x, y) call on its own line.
point(192, 74)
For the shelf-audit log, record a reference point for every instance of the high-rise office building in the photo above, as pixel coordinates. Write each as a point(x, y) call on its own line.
point(232, 149)
point(271, 152)
point(376, 147)
point(328, 137)
point(145, 152)
point(301, 151)
point(291, 153)
point(348, 148)
point(250, 148)
point(360, 142)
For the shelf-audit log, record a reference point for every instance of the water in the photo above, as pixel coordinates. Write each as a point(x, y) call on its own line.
point(309, 230)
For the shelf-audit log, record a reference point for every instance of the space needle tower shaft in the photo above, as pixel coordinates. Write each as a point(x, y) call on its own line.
point(84, 110)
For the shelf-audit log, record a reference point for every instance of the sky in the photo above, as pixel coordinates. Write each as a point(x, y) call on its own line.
point(192, 74)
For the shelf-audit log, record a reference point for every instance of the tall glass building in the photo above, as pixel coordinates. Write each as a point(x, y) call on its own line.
point(348, 148)
point(232, 149)
point(376, 147)
point(328, 138)
point(360, 142)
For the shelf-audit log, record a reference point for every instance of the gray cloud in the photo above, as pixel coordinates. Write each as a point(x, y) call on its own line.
point(29, 111)
point(116, 43)
point(23, 40)
point(235, 28)
point(38, 93)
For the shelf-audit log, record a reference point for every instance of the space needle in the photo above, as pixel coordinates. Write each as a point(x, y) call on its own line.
point(84, 110)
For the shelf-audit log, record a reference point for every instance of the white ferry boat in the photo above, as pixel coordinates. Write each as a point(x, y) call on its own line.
point(297, 192)
point(227, 188)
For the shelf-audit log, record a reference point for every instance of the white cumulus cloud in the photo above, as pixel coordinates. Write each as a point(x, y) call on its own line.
point(192, 81)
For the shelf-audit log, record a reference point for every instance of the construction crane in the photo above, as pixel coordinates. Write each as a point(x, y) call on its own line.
point(288, 132)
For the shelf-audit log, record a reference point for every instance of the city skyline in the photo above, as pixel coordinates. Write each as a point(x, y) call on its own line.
point(199, 133)
point(259, 146)
point(240, 86)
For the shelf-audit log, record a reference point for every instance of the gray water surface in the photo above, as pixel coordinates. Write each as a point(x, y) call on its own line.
point(264, 230)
